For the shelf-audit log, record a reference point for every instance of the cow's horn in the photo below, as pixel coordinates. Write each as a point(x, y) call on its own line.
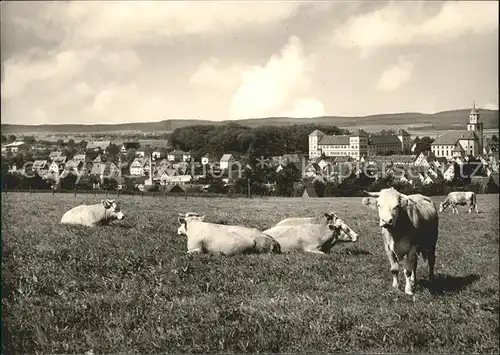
point(372, 194)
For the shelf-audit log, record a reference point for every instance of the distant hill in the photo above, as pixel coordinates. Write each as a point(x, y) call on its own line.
point(439, 120)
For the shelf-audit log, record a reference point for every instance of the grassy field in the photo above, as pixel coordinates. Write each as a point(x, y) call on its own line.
point(130, 287)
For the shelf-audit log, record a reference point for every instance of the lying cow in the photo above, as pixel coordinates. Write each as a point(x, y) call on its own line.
point(409, 227)
point(461, 198)
point(218, 238)
point(312, 238)
point(92, 215)
point(325, 219)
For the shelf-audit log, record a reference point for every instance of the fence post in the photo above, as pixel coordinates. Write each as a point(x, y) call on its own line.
point(30, 189)
point(95, 192)
point(142, 193)
point(53, 191)
point(5, 188)
point(106, 193)
point(153, 194)
point(74, 190)
point(185, 194)
point(165, 193)
point(118, 193)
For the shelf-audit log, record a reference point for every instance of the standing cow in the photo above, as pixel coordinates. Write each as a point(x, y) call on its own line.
point(461, 198)
point(409, 226)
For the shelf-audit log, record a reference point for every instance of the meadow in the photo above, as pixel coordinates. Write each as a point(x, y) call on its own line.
point(130, 286)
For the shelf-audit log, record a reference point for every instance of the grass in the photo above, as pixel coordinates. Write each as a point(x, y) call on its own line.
point(130, 287)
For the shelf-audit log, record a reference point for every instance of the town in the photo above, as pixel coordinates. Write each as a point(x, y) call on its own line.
point(331, 159)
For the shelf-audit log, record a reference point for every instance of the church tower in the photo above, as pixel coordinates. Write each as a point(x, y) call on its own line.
point(476, 126)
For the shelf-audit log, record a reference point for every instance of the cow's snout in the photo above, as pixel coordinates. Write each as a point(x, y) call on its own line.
point(120, 216)
point(386, 222)
point(354, 236)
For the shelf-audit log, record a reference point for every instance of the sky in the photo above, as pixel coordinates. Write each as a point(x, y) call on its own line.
point(118, 62)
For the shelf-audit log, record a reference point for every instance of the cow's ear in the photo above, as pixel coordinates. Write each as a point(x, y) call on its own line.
point(370, 202)
point(201, 218)
point(404, 201)
point(106, 204)
point(182, 220)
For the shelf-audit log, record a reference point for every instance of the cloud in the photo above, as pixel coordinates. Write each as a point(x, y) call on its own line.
point(210, 74)
point(396, 75)
point(405, 23)
point(142, 22)
point(266, 89)
point(307, 107)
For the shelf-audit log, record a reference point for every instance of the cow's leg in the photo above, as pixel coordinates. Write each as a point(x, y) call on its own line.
point(455, 208)
point(410, 270)
point(197, 250)
point(475, 208)
point(315, 251)
point(394, 266)
point(431, 259)
point(470, 208)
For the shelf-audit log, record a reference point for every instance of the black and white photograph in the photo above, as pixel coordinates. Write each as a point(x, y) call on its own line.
point(250, 177)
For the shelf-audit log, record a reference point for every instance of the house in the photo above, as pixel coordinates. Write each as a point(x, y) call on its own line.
point(461, 142)
point(40, 166)
point(207, 159)
point(178, 155)
point(98, 146)
point(449, 173)
point(109, 170)
point(74, 165)
point(178, 179)
point(15, 147)
point(156, 154)
point(226, 161)
point(55, 154)
point(140, 153)
point(126, 146)
point(56, 167)
point(80, 158)
point(139, 166)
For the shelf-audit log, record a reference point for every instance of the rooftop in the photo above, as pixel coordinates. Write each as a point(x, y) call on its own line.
point(452, 137)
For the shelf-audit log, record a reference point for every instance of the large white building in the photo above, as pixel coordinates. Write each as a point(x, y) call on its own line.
point(461, 142)
point(357, 145)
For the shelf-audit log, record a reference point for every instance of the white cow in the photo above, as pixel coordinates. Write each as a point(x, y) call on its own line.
point(409, 226)
point(218, 238)
point(461, 198)
point(92, 215)
point(328, 217)
point(312, 238)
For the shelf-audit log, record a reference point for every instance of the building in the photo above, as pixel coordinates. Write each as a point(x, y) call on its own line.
point(97, 146)
point(126, 146)
point(139, 166)
point(358, 145)
point(178, 155)
point(461, 142)
point(226, 161)
point(15, 147)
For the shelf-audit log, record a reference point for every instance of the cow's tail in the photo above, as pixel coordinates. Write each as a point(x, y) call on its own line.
point(473, 200)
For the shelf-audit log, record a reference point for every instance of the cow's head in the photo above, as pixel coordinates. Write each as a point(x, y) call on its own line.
point(184, 218)
point(388, 203)
point(345, 233)
point(442, 206)
point(112, 209)
point(330, 217)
